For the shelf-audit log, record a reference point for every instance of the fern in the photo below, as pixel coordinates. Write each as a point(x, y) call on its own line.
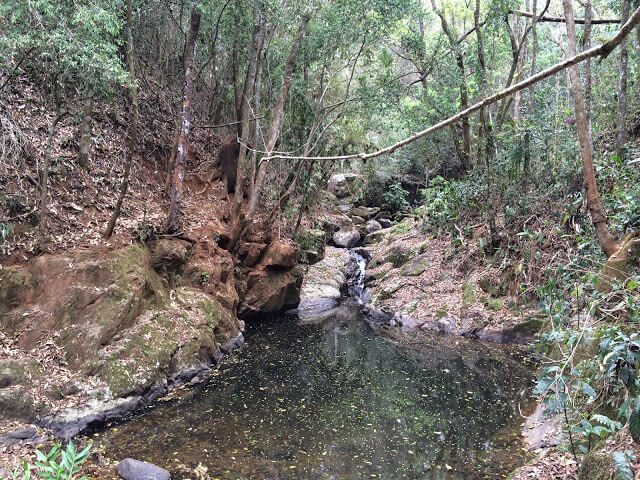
point(623, 467)
point(607, 422)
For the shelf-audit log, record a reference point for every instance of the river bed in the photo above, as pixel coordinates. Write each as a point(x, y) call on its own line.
point(339, 400)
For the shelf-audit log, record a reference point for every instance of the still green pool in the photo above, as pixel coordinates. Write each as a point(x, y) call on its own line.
point(340, 400)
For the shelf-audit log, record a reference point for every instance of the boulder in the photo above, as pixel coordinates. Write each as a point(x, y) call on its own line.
point(619, 267)
point(168, 254)
point(341, 184)
point(360, 212)
point(373, 226)
point(279, 255)
point(346, 238)
point(250, 253)
point(385, 222)
point(416, 267)
point(131, 469)
point(378, 236)
point(271, 290)
point(384, 214)
point(324, 282)
point(356, 220)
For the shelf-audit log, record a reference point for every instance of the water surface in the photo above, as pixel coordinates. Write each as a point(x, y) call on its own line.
point(340, 401)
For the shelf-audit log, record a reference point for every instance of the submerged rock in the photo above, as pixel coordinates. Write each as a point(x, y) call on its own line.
point(131, 469)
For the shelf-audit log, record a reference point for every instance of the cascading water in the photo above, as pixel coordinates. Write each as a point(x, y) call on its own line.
point(356, 284)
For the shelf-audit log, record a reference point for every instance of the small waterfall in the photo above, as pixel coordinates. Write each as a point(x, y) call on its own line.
point(356, 284)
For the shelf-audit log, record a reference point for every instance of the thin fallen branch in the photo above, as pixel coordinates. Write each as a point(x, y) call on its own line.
point(603, 51)
point(598, 21)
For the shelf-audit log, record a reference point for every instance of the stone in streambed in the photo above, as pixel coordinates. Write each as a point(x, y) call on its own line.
point(346, 238)
point(372, 226)
point(385, 222)
point(131, 469)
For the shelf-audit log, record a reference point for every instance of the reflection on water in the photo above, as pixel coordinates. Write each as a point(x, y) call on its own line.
point(340, 401)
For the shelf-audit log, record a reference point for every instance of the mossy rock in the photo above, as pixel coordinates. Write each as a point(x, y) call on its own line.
point(468, 295)
point(595, 466)
point(495, 304)
point(529, 327)
point(15, 284)
point(417, 266)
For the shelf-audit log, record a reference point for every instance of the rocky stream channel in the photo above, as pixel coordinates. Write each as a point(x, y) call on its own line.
point(325, 392)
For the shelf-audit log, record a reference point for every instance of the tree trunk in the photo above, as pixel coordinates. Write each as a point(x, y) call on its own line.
point(173, 219)
point(259, 32)
point(604, 237)
point(464, 91)
point(532, 94)
point(133, 125)
point(274, 127)
point(45, 175)
point(172, 157)
point(85, 133)
point(588, 19)
point(621, 137)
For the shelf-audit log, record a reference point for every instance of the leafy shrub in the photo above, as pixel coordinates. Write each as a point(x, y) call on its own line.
point(396, 197)
point(438, 210)
point(56, 465)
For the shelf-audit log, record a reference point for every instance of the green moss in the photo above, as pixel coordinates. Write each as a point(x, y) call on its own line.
point(529, 327)
point(595, 467)
point(212, 312)
point(495, 304)
point(468, 295)
point(13, 283)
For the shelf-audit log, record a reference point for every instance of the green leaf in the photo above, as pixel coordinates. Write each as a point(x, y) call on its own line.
point(634, 425)
point(623, 467)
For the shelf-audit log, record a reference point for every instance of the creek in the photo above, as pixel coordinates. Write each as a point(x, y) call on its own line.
point(340, 399)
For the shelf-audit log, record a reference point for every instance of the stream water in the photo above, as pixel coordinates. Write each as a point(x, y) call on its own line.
point(340, 400)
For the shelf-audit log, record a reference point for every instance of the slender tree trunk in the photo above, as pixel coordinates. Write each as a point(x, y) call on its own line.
point(604, 237)
point(274, 127)
point(621, 137)
point(85, 133)
point(532, 93)
point(133, 125)
point(173, 219)
point(259, 32)
point(235, 69)
point(45, 173)
point(172, 157)
point(588, 18)
point(464, 91)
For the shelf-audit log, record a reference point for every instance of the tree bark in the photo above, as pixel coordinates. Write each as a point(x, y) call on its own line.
point(464, 90)
point(133, 125)
point(604, 237)
point(259, 32)
point(621, 134)
point(85, 133)
point(588, 22)
point(600, 21)
point(274, 127)
point(173, 223)
point(42, 225)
